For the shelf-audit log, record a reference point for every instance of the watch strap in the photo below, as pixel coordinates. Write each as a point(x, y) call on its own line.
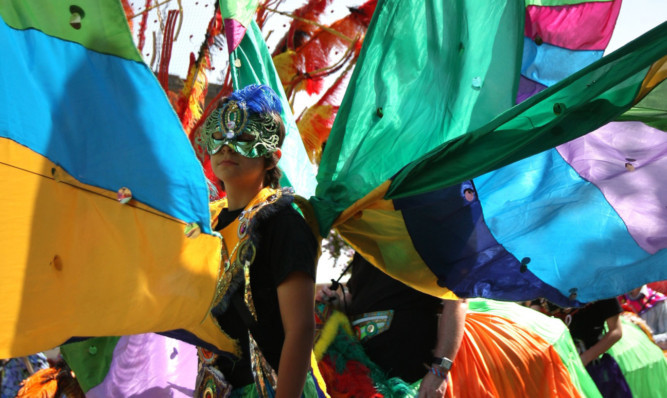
point(442, 362)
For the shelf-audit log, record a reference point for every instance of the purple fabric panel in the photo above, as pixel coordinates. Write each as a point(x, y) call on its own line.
point(527, 88)
point(147, 366)
point(234, 33)
point(638, 190)
point(609, 378)
point(585, 26)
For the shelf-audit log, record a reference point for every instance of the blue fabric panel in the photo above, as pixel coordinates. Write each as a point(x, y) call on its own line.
point(542, 209)
point(105, 120)
point(450, 235)
point(548, 64)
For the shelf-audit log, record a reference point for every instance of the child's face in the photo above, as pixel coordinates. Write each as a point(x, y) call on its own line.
point(234, 169)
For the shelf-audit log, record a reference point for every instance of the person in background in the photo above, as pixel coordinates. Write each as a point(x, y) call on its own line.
point(408, 334)
point(587, 327)
point(15, 370)
point(651, 306)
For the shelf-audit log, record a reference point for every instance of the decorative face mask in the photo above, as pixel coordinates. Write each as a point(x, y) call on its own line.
point(252, 136)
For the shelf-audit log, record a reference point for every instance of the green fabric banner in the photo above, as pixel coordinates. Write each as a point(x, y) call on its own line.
point(241, 11)
point(251, 63)
point(90, 359)
point(569, 109)
point(429, 72)
point(102, 28)
point(652, 110)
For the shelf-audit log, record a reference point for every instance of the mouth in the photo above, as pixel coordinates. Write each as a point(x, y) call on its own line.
point(227, 162)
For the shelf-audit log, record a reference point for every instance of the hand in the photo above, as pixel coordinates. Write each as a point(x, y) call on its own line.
point(325, 294)
point(432, 386)
point(586, 357)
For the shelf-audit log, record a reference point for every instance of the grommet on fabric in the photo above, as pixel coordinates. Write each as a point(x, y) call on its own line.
point(192, 230)
point(57, 263)
point(524, 264)
point(76, 16)
point(538, 40)
point(477, 83)
point(573, 294)
point(57, 174)
point(237, 63)
point(559, 108)
point(379, 112)
point(124, 195)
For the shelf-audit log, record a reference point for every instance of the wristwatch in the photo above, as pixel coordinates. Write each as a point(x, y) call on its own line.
point(442, 362)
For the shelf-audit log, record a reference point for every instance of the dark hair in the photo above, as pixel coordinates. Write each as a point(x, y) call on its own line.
point(272, 176)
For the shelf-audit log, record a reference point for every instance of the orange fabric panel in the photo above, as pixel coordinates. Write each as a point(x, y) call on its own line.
point(500, 358)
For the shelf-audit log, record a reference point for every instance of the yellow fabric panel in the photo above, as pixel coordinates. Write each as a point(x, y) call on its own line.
point(656, 75)
point(382, 238)
point(500, 358)
point(373, 200)
point(76, 262)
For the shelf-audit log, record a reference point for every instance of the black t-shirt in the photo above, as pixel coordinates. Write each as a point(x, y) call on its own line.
point(587, 324)
point(402, 350)
point(286, 245)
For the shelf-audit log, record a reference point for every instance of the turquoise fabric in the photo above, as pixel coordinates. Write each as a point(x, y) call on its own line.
point(548, 64)
point(539, 200)
point(101, 118)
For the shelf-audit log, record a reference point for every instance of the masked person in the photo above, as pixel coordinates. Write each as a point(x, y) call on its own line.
point(265, 298)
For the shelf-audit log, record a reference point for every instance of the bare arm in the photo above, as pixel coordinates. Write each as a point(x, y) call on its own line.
point(450, 334)
point(658, 323)
point(606, 342)
point(295, 299)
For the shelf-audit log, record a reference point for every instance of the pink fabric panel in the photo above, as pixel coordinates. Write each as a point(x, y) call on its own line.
point(585, 26)
point(234, 33)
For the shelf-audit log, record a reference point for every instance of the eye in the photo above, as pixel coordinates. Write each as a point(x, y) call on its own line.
point(245, 137)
